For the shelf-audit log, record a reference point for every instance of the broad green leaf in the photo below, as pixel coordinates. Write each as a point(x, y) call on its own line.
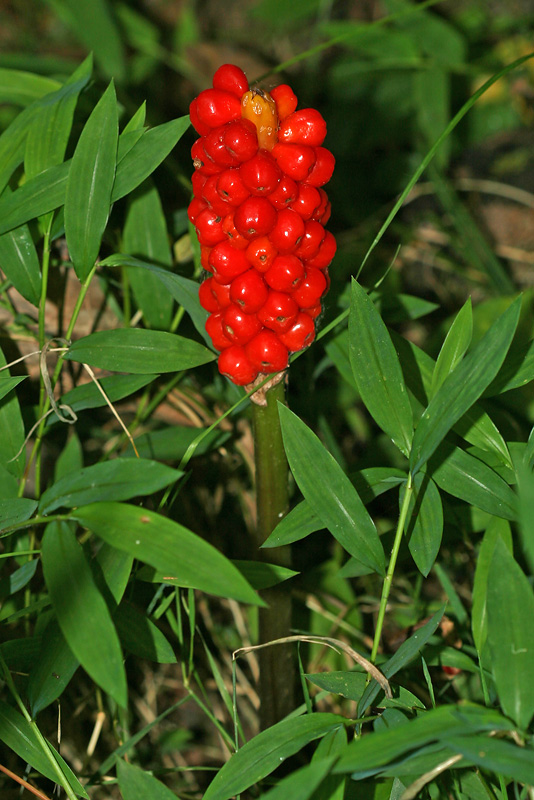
point(347, 684)
point(71, 457)
point(384, 747)
point(7, 384)
point(9, 486)
point(93, 23)
point(145, 236)
point(479, 621)
point(81, 610)
point(333, 498)
point(17, 733)
point(510, 609)
point(137, 121)
point(89, 185)
point(140, 636)
point(116, 387)
point(136, 784)
point(22, 88)
point(525, 502)
point(52, 671)
point(470, 479)
point(302, 783)
point(13, 511)
point(395, 307)
point(261, 575)
point(377, 371)
point(115, 567)
point(12, 428)
point(264, 753)
point(463, 386)
point(454, 347)
point(424, 526)
point(52, 122)
point(517, 370)
point(45, 192)
point(168, 547)
point(18, 579)
point(331, 746)
point(298, 523)
point(495, 755)
point(118, 479)
point(172, 443)
point(20, 655)
point(20, 262)
point(139, 351)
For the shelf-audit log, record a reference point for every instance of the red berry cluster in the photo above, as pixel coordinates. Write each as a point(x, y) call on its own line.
point(259, 210)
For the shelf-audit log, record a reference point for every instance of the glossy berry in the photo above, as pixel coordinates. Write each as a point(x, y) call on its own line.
point(214, 296)
point(209, 228)
point(306, 126)
point(288, 230)
point(254, 217)
point(239, 326)
point(216, 107)
point(235, 364)
point(261, 253)
point(216, 150)
point(260, 174)
point(322, 170)
point(231, 188)
point(326, 252)
point(285, 274)
point(232, 79)
point(249, 291)
point(285, 193)
point(300, 334)
point(231, 232)
point(279, 311)
point(307, 201)
point(296, 160)
point(285, 99)
point(215, 331)
point(311, 289)
point(241, 140)
point(201, 161)
point(213, 198)
point(227, 263)
point(311, 241)
point(266, 352)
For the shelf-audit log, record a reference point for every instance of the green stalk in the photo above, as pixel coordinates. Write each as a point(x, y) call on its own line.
point(277, 667)
point(386, 588)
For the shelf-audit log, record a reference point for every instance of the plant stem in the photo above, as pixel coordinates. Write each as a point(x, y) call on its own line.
point(386, 588)
point(277, 667)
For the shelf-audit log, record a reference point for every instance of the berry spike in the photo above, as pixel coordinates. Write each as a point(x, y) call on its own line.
point(259, 108)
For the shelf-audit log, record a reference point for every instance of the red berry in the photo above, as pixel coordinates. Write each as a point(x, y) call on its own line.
point(323, 168)
point(204, 256)
point(201, 161)
point(285, 99)
point(230, 78)
point(306, 126)
point(314, 311)
point(260, 174)
point(296, 160)
point(266, 352)
point(311, 289)
point(227, 262)
point(241, 140)
point(279, 311)
point(216, 107)
point(230, 230)
point(234, 363)
point(215, 331)
point(325, 254)
point(308, 200)
point(239, 326)
point(261, 253)
point(196, 206)
point(254, 217)
point(231, 187)
point(301, 334)
point(213, 198)
point(199, 126)
point(214, 296)
point(249, 291)
point(285, 273)
point(216, 150)
point(310, 243)
point(321, 208)
point(288, 230)
point(209, 228)
point(285, 193)
point(198, 180)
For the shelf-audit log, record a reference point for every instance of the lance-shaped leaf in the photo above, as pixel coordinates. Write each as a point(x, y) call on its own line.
point(20, 262)
point(12, 430)
point(89, 185)
point(136, 784)
point(454, 347)
point(377, 372)
point(463, 386)
point(424, 527)
point(329, 492)
point(22, 88)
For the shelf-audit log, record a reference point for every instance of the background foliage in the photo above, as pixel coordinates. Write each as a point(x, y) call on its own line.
point(126, 583)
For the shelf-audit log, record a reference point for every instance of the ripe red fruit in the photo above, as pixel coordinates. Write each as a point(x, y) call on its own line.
point(232, 79)
point(234, 363)
point(300, 335)
point(239, 326)
point(296, 160)
point(200, 127)
point(306, 126)
point(285, 99)
point(215, 331)
point(214, 296)
point(230, 230)
point(255, 217)
point(227, 262)
point(209, 228)
point(279, 311)
point(323, 168)
point(310, 243)
point(288, 230)
point(231, 188)
point(196, 206)
point(326, 252)
point(216, 150)
point(213, 198)
point(311, 289)
point(260, 174)
point(241, 140)
point(201, 161)
point(266, 352)
point(261, 253)
point(285, 274)
point(249, 291)
point(216, 107)
point(285, 193)
point(307, 201)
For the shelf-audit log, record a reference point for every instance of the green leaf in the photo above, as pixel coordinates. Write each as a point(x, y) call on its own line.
point(17, 733)
point(89, 185)
point(424, 525)
point(454, 347)
point(302, 783)
point(261, 575)
point(7, 384)
point(45, 192)
point(12, 428)
point(145, 235)
point(510, 609)
point(22, 88)
point(20, 262)
point(136, 784)
point(347, 684)
point(139, 351)
point(173, 443)
point(52, 671)
point(377, 371)
point(333, 498)
point(81, 610)
point(13, 511)
point(495, 755)
point(470, 479)
point(463, 386)
point(140, 636)
point(118, 479)
point(168, 547)
point(116, 387)
point(479, 622)
point(264, 753)
point(17, 579)
point(298, 523)
point(93, 23)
